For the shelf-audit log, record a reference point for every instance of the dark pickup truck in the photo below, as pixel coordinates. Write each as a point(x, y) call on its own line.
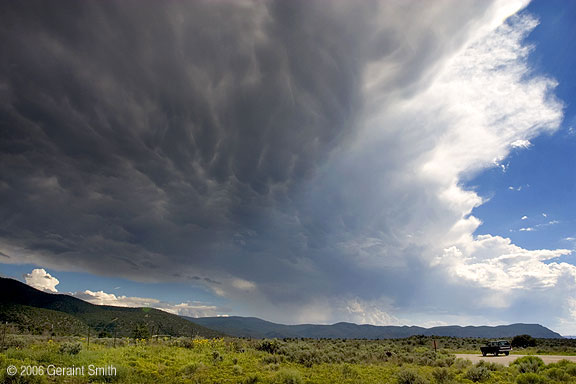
point(496, 348)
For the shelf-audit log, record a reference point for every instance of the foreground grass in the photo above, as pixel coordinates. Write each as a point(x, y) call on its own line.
point(408, 361)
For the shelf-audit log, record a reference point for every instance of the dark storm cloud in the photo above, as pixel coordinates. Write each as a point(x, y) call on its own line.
point(214, 142)
point(151, 134)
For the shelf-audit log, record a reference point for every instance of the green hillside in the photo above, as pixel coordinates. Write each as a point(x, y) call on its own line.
point(38, 320)
point(36, 311)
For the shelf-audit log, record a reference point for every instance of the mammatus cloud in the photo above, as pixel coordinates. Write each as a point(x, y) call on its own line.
point(308, 164)
point(42, 280)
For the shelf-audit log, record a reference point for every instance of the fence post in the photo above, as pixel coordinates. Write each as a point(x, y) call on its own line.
point(4, 334)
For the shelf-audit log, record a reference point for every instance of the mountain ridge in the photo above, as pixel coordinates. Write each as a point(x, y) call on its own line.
point(258, 328)
point(42, 310)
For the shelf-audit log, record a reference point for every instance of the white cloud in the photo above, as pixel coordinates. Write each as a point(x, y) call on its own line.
point(483, 102)
point(243, 285)
point(42, 280)
point(524, 217)
point(494, 260)
point(526, 229)
point(192, 309)
point(103, 298)
point(538, 226)
point(521, 144)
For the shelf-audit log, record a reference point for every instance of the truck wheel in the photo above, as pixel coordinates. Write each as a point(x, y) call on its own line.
point(483, 353)
point(506, 353)
point(495, 353)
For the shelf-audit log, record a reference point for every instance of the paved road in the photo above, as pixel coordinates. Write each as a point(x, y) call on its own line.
point(506, 360)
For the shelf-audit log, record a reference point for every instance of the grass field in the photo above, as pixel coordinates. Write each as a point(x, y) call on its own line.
point(289, 361)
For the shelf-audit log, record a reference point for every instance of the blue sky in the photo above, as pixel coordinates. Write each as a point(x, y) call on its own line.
point(378, 164)
point(540, 179)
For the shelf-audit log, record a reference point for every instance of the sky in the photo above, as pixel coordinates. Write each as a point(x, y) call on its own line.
point(390, 163)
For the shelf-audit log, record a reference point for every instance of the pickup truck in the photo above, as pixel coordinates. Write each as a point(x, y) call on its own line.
point(496, 348)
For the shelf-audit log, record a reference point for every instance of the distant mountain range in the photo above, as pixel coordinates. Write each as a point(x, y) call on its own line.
point(35, 311)
point(258, 328)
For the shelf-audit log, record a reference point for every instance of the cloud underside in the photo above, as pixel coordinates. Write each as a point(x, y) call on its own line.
point(303, 159)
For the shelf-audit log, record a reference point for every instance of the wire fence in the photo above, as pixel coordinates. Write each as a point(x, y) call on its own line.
point(12, 334)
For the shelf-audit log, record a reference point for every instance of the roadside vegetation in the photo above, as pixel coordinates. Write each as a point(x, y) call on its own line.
point(285, 361)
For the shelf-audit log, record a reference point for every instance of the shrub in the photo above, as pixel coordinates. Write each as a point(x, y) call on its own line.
point(184, 343)
point(442, 375)
point(140, 331)
point(288, 376)
point(478, 373)
point(460, 363)
point(530, 378)
point(349, 372)
point(528, 364)
point(191, 369)
point(17, 379)
point(309, 358)
point(491, 366)
point(72, 348)
point(523, 341)
point(216, 356)
point(445, 361)
point(272, 359)
point(252, 379)
point(557, 374)
point(270, 346)
point(410, 376)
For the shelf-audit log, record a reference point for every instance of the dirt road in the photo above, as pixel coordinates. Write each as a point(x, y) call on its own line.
point(506, 360)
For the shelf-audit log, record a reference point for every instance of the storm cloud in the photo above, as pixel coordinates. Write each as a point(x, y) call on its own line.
point(304, 158)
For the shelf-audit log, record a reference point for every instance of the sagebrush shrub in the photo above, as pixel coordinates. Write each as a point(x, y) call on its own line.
point(410, 376)
point(237, 370)
point(478, 373)
point(270, 346)
point(192, 368)
point(288, 376)
point(528, 364)
point(557, 374)
point(72, 348)
point(442, 375)
point(531, 378)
